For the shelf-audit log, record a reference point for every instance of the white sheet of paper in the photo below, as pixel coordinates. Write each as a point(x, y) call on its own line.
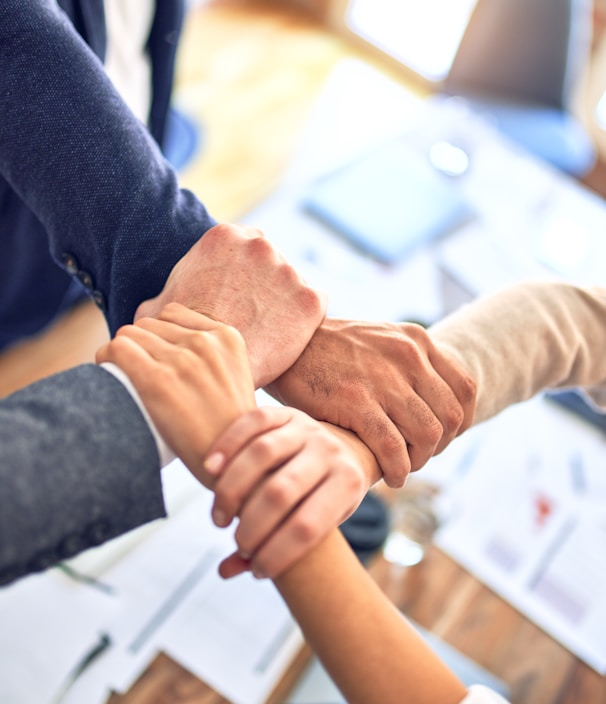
point(528, 519)
point(236, 635)
point(49, 623)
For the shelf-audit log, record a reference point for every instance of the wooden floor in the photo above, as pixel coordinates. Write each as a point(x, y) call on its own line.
point(250, 78)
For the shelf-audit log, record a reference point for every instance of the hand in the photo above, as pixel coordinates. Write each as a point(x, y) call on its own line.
point(192, 375)
point(234, 275)
point(289, 479)
point(389, 384)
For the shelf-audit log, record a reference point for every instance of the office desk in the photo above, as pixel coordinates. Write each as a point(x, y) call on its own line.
point(252, 79)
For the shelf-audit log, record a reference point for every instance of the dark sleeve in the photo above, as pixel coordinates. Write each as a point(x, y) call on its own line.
point(78, 466)
point(85, 165)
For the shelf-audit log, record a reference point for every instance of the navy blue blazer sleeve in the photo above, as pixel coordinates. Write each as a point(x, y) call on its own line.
point(72, 474)
point(87, 168)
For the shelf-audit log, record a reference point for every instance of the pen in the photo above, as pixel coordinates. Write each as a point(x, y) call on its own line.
point(87, 660)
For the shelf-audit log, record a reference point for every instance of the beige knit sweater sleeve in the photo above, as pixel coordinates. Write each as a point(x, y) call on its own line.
point(529, 337)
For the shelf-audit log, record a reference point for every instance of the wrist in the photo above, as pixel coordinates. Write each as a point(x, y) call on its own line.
point(165, 453)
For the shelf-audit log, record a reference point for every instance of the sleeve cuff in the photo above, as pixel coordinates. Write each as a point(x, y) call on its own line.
point(165, 453)
point(478, 694)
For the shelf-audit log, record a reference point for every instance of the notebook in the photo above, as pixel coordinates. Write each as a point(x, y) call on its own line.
point(388, 201)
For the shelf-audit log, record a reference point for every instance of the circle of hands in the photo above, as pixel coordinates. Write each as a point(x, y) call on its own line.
point(361, 401)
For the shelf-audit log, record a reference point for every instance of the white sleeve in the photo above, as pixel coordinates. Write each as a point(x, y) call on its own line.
point(165, 453)
point(478, 694)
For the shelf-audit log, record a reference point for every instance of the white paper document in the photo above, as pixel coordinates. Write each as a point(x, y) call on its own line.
point(162, 594)
point(528, 518)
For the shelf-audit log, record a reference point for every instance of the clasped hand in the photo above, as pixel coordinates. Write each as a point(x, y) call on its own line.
point(285, 475)
point(288, 478)
point(386, 382)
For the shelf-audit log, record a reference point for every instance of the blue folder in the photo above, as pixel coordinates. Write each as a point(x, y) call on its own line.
point(388, 201)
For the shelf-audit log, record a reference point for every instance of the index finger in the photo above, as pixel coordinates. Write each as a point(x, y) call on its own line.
point(240, 433)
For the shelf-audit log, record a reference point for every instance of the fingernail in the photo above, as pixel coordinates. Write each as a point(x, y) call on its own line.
point(258, 573)
point(214, 462)
point(244, 555)
point(220, 518)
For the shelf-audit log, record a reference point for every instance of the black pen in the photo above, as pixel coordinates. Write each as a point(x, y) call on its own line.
point(88, 659)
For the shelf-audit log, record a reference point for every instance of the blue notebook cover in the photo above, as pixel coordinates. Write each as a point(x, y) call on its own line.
point(574, 401)
point(388, 202)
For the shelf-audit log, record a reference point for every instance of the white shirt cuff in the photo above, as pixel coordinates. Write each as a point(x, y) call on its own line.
point(165, 453)
point(478, 694)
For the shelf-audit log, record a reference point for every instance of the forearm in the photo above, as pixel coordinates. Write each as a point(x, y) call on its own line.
point(83, 163)
point(78, 466)
point(527, 338)
point(364, 642)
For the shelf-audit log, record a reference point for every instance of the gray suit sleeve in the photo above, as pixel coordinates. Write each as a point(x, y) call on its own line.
point(78, 466)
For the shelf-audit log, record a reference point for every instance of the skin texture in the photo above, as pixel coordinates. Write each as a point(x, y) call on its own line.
point(189, 367)
point(407, 408)
point(389, 384)
point(284, 508)
point(234, 275)
point(366, 645)
point(290, 479)
point(192, 374)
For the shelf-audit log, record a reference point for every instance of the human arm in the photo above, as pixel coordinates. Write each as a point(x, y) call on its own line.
point(78, 466)
point(78, 461)
point(192, 375)
point(233, 274)
point(526, 338)
point(321, 479)
point(86, 166)
point(386, 382)
point(366, 645)
point(115, 216)
point(511, 345)
point(508, 347)
point(290, 479)
point(368, 648)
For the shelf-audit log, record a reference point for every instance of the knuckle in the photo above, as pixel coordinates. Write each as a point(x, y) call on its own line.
point(304, 530)
point(197, 342)
point(263, 413)
point(259, 245)
point(171, 308)
point(356, 394)
point(433, 432)
point(125, 330)
point(453, 418)
point(219, 231)
point(120, 341)
point(231, 337)
point(263, 449)
point(389, 439)
point(310, 301)
point(279, 490)
point(227, 499)
point(415, 332)
point(469, 389)
point(356, 479)
point(183, 360)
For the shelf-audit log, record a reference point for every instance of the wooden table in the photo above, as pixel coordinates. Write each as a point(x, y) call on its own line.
point(250, 75)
